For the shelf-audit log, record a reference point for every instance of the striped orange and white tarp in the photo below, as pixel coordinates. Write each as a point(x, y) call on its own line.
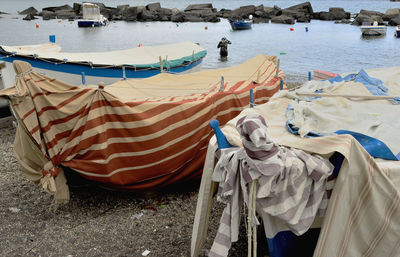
point(135, 134)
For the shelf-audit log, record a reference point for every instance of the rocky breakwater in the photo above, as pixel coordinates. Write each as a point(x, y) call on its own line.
point(207, 13)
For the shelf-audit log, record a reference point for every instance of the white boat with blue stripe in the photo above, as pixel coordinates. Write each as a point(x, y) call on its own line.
point(107, 67)
point(91, 16)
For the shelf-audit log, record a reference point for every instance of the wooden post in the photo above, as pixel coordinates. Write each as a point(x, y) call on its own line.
point(277, 67)
point(161, 64)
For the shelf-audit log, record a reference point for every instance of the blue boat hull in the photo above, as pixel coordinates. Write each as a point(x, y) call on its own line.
point(241, 25)
point(90, 23)
point(85, 74)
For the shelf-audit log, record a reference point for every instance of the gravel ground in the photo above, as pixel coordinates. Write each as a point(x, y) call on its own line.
point(96, 222)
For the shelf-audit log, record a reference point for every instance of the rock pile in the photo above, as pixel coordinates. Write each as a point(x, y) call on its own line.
point(207, 13)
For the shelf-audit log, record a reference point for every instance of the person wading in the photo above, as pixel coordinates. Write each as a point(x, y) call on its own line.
point(223, 47)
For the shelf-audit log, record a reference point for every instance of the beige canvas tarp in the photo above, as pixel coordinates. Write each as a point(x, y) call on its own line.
point(134, 134)
point(363, 216)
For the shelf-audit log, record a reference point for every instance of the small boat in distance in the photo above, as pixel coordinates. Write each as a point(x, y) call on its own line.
point(373, 30)
point(91, 16)
point(397, 31)
point(237, 24)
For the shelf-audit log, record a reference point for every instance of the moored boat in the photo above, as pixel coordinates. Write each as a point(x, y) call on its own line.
point(109, 67)
point(397, 31)
point(91, 16)
point(241, 24)
point(373, 30)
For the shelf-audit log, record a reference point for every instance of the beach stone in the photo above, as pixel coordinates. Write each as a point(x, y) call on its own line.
point(153, 7)
point(47, 15)
point(282, 19)
point(30, 10)
point(198, 7)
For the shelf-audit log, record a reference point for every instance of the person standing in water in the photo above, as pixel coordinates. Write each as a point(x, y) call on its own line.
point(223, 47)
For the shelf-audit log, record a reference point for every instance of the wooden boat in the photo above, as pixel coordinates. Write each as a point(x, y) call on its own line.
point(241, 24)
point(135, 134)
point(109, 67)
point(373, 30)
point(91, 16)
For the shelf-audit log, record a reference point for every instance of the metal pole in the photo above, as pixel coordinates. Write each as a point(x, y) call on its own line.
point(251, 98)
point(221, 87)
point(83, 78)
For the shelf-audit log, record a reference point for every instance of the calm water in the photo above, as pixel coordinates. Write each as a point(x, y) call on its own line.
point(333, 47)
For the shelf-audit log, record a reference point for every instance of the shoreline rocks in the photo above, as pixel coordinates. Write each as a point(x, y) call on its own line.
point(207, 13)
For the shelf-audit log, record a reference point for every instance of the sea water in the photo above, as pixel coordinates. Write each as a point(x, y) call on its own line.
point(337, 48)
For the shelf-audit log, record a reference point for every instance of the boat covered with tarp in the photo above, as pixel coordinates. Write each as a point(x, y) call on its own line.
point(92, 67)
point(317, 166)
point(136, 134)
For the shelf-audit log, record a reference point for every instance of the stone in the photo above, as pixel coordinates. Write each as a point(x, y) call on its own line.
point(244, 11)
point(370, 13)
point(153, 7)
point(326, 16)
point(303, 7)
point(65, 14)
point(282, 19)
point(29, 17)
point(198, 7)
point(130, 13)
point(178, 17)
point(394, 21)
point(30, 10)
point(47, 15)
point(58, 8)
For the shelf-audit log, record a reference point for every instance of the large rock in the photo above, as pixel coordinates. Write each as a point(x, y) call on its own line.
point(178, 17)
point(394, 11)
point(30, 10)
point(370, 13)
point(303, 7)
point(29, 17)
point(326, 16)
point(211, 18)
point(272, 11)
point(58, 8)
point(394, 21)
point(130, 13)
point(153, 7)
point(283, 19)
point(147, 15)
point(244, 11)
point(192, 17)
point(361, 19)
point(66, 14)
point(339, 13)
point(198, 7)
point(77, 7)
point(47, 15)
